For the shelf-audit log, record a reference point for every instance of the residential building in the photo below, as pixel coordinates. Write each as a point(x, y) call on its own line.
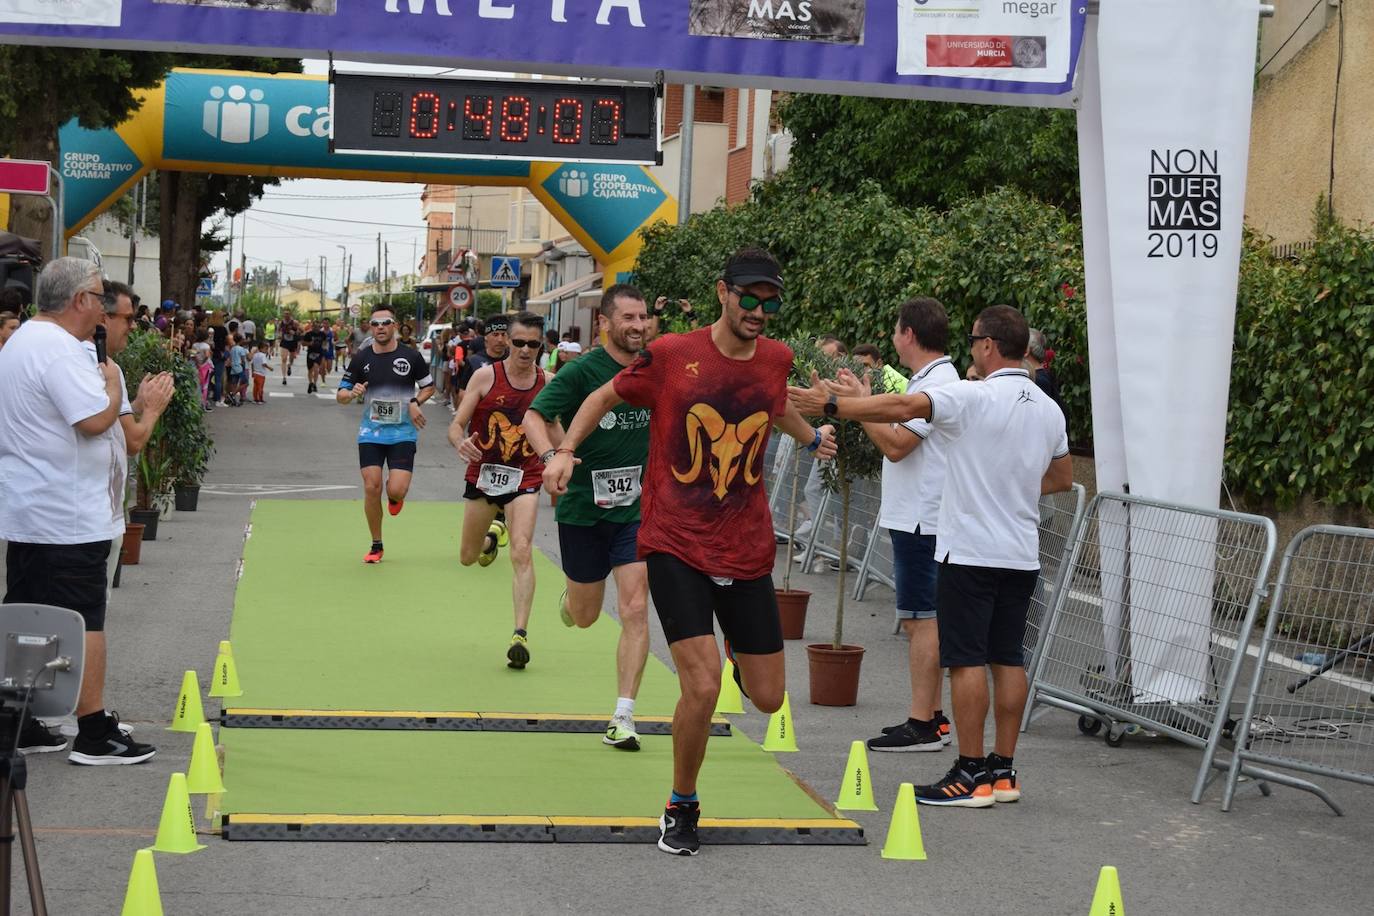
point(1310, 131)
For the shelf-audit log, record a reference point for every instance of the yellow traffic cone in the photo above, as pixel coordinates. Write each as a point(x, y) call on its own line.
point(204, 777)
point(729, 700)
point(225, 682)
point(189, 714)
point(856, 792)
point(176, 832)
point(1107, 900)
point(781, 737)
point(142, 897)
point(904, 832)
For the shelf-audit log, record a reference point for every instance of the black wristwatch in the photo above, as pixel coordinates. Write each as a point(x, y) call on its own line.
point(415, 400)
point(832, 406)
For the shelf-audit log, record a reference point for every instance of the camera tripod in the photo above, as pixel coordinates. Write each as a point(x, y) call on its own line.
point(14, 809)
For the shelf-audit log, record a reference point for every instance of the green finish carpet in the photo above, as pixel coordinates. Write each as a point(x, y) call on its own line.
point(314, 628)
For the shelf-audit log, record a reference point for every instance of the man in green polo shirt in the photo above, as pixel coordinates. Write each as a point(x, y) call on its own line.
point(598, 518)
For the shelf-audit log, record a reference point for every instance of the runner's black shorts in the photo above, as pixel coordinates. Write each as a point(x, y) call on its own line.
point(590, 552)
point(982, 614)
point(499, 501)
point(290, 345)
point(63, 575)
point(685, 599)
point(399, 456)
point(313, 356)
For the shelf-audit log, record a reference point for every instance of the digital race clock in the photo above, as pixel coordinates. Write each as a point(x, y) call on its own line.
point(464, 118)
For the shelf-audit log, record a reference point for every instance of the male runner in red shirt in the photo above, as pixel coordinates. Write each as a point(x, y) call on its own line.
point(707, 534)
point(504, 472)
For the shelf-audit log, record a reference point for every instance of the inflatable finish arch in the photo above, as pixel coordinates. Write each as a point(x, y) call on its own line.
point(246, 123)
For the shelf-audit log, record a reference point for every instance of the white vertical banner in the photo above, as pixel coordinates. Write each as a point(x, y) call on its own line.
point(1109, 442)
point(1176, 81)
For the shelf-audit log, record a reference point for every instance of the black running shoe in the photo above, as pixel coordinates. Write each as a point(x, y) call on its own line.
point(906, 738)
point(1005, 786)
point(113, 748)
point(964, 786)
point(35, 739)
point(678, 829)
point(943, 724)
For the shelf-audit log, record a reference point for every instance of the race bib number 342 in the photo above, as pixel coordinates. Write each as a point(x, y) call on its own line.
point(616, 487)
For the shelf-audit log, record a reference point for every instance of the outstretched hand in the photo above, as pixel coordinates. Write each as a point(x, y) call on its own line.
point(809, 402)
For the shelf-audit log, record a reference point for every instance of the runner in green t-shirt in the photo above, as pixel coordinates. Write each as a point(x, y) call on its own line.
point(598, 518)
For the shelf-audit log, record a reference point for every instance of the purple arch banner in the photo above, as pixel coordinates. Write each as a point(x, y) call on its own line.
point(1002, 51)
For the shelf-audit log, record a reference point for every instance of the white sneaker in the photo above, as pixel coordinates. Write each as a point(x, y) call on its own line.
point(803, 531)
point(621, 734)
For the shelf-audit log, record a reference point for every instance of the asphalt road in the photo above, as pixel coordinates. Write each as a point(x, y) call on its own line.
point(1085, 805)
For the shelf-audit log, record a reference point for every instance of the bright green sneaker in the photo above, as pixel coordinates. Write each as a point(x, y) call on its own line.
point(502, 533)
point(563, 614)
point(488, 556)
point(518, 655)
point(621, 734)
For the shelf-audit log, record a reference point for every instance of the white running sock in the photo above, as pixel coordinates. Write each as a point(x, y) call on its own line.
point(625, 706)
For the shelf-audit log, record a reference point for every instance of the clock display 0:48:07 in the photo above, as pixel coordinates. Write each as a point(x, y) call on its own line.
point(512, 118)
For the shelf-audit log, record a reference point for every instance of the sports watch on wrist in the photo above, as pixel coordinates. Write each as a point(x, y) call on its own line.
point(832, 406)
point(548, 456)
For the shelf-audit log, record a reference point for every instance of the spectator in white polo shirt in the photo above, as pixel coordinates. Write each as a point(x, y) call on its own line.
point(1006, 447)
point(56, 457)
point(913, 479)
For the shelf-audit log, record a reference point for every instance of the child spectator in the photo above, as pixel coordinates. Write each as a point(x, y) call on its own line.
point(260, 368)
point(238, 372)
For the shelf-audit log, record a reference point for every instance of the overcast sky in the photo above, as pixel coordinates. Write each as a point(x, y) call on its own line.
point(301, 220)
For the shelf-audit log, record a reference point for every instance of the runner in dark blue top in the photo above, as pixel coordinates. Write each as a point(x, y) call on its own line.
point(384, 376)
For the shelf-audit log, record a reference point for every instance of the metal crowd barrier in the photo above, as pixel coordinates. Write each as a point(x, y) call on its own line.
point(1311, 702)
point(1060, 515)
point(1155, 601)
point(824, 541)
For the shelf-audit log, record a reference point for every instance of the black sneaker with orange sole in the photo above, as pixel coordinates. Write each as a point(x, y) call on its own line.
point(966, 785)
point(1005, 785)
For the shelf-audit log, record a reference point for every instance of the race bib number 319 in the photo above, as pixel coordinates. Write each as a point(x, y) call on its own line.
point(498, 479)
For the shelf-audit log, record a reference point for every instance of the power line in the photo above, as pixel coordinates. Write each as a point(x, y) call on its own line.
point(340, 219)
point(410, 194)
point(1290, 37)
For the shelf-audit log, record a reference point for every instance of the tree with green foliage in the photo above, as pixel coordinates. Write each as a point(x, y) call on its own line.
point(933, 154)
point(42, 88)
point(190, 199)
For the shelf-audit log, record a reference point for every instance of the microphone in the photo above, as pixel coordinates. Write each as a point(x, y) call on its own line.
point(100, 343)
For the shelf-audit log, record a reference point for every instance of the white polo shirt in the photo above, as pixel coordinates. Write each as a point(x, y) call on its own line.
point(1002, 433)
point(119, 454)
point(912, 486)
point(54, 481)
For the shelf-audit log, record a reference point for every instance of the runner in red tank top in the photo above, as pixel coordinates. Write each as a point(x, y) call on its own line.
point(707, 534)
point(503, 471)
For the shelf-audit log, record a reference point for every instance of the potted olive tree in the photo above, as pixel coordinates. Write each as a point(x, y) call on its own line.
point(834, 666)
point(792, 603)
point(149, 353)
point(188, 443)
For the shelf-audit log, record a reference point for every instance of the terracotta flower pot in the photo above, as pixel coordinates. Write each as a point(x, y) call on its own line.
point(792, 611)
point(834, 674)
point(132, 549)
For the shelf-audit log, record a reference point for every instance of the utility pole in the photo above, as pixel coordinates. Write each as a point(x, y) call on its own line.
point(684, 182)
point(348, 278)
point(323, 263)
point(386, 273)
point(379, 262)
point(243, 257)
point(229, 271)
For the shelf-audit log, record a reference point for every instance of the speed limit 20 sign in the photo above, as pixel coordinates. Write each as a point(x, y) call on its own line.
point(460, 296)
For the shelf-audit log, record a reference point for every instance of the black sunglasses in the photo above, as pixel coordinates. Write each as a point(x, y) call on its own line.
point(749, 302)
point(974, 338)
point(532, 344)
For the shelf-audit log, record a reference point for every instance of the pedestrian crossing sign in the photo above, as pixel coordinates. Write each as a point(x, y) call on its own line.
point(505, 272)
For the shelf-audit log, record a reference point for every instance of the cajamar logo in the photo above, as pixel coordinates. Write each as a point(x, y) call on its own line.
point(510, 438)
point(722, 447)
